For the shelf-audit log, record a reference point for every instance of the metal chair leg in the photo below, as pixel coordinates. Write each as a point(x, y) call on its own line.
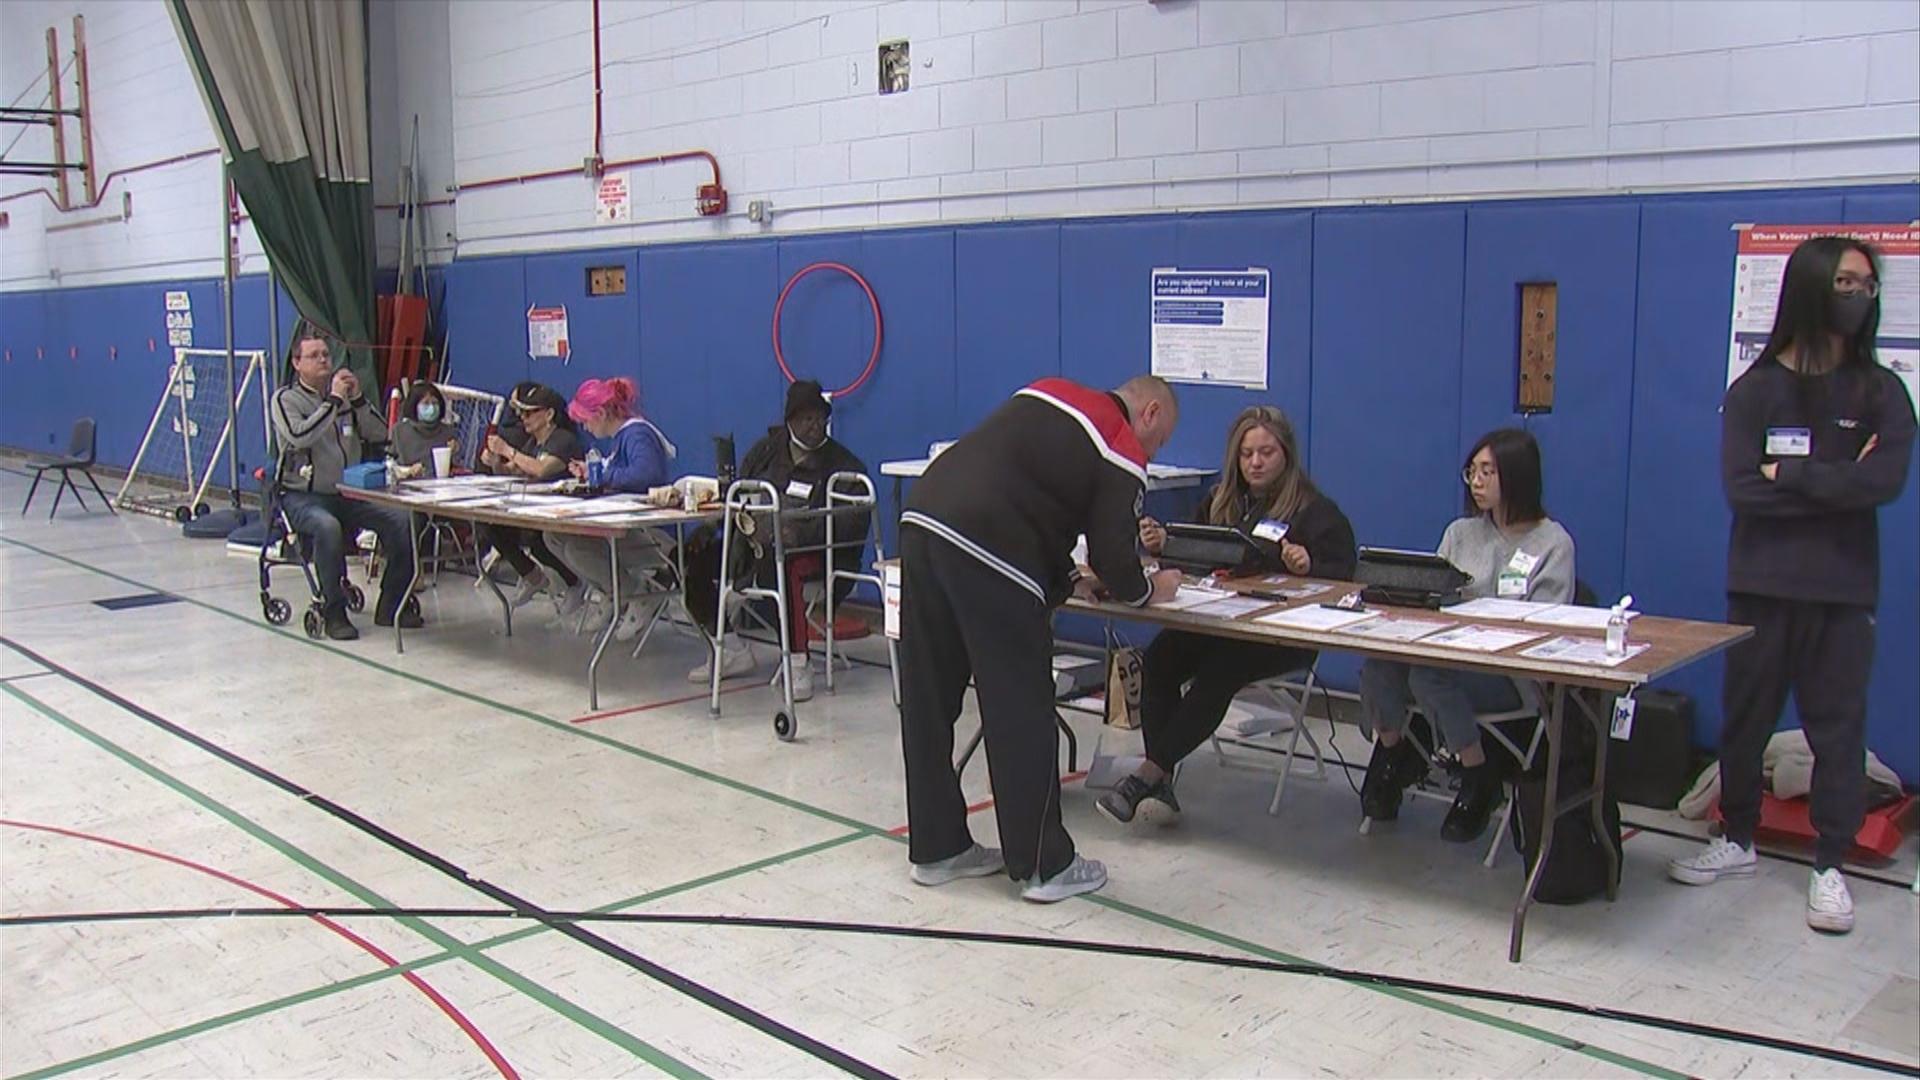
point(38, 473)
point(88, 473)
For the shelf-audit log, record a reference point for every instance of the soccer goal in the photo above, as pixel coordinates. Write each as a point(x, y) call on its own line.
point(192, 426)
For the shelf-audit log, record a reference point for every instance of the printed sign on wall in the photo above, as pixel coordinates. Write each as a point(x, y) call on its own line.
point(1210, 326)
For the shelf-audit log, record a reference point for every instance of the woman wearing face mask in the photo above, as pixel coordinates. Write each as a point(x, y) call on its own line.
point(610, 411)
point(539, 444)
point(425, 423)
point(1511, 549)
point(1815, 437)
point(797, 457)
point(1189, 679)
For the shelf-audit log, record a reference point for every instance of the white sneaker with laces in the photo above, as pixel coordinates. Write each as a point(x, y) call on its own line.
point(1720, 858)
point(736, 658)
point(976, 861)
point(528, 588)
point(1082, 875)
point(802, 674)
point(1829, 903)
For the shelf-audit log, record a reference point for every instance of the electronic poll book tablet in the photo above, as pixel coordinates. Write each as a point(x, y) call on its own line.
point(1202, 549)
point(1408, 578)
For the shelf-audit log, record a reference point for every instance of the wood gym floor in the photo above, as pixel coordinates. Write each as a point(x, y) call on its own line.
point(184, 756)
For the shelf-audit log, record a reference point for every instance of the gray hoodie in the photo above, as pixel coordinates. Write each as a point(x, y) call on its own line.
point(320, 435)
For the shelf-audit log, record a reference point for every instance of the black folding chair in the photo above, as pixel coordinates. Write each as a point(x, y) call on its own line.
point(80, 456)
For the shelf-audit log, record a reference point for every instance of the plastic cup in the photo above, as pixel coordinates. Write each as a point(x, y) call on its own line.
point(443, 461)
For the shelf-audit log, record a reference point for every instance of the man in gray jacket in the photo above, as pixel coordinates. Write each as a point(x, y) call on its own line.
point(321, 420)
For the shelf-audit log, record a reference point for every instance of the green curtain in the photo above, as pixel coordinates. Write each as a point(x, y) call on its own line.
point(285, 83)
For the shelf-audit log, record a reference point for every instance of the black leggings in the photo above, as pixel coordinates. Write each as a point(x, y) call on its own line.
point(1175, 717)
point(520, 547)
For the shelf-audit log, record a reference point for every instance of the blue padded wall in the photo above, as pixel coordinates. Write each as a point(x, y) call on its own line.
point(1393, 336)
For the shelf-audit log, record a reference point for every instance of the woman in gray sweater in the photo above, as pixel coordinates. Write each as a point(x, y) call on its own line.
point(1511, 549)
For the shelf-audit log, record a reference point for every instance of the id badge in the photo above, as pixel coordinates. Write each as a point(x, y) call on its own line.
point(1622, 726)
point(1271, 531)
point(1789, 442)
point(1512, 585)
point(798, 490)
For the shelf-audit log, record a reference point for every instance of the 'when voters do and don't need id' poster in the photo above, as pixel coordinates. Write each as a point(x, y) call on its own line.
point(1210, 326)
point(1762, 263)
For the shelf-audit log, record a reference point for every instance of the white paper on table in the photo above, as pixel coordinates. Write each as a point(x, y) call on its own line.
point(1575, 617)
point(1192, 596)
point(1480, 638)
point(1232, 607)
point(446, 495)
point(1316, 617)
point(605, 504)
point(1574, 650)
point(1395, 629)
point(471, 480)
point(1492, 607)
point(1294, 588)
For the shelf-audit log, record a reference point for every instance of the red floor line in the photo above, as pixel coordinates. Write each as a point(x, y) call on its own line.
point(1628, 835)
point(629, 710)
point(445, 1006)
point(901, 830)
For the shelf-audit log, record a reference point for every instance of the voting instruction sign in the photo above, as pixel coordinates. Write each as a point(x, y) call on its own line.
point(1210, 326)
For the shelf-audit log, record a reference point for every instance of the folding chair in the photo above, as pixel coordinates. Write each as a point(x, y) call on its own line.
point(82, 446)
point(1289, 695)
point(1489, 725)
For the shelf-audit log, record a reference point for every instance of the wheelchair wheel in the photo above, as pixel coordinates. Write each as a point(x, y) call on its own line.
point(313, 624)
point(356, 600)
point(182, 514)
point(783, 727)
point(278, 612)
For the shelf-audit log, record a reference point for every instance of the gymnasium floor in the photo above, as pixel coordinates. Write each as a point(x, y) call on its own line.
point(188, 756)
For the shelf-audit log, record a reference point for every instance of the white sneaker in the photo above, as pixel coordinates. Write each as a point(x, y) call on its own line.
point(571, 600)
point(1082, 875)
point(1829, 904)
point(976, 861)
point(632, 621)
point(736, 658)
point(528, 589)
point(1720, 858)
point(802, 674)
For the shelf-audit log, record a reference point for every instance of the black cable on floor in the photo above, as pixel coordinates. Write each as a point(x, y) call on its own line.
point(1102, 948)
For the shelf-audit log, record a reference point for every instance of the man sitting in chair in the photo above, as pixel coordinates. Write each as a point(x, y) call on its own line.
point(796, 457)
point(321, 420)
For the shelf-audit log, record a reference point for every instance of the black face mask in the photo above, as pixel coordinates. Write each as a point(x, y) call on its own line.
point(1848, 311)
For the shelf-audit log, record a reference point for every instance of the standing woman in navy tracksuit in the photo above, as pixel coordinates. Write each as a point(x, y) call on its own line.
point(1815, 437)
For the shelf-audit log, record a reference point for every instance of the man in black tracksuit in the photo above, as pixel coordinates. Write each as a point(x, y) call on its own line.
point(1813, 443)
point(986, 553)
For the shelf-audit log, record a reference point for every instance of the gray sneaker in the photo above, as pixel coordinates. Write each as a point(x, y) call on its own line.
point(976, 861)
point(1082, 875)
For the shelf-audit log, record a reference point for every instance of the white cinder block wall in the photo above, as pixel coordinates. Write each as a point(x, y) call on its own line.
point(1023, 108)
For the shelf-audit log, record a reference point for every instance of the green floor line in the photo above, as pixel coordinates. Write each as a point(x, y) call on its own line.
point(372, 978)
point(1450, 1008)
point(639, 1048)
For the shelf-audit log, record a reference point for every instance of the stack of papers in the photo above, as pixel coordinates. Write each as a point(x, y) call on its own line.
point(1387, 629)
point(1480, 638)
point(1489, 607)
point(1576, 617)
point(1192, 596)
point(1294, 588)
point(1573, 650)
point(1315, 617)
point(1232, 607)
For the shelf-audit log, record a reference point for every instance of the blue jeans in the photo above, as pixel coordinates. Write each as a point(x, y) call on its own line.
point(325, 521)
point(1450, 698)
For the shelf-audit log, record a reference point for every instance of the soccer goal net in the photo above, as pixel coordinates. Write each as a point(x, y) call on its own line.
point(474, 412)
point(192, 427)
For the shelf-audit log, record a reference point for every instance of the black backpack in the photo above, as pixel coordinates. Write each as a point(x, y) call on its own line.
point(1576, 868)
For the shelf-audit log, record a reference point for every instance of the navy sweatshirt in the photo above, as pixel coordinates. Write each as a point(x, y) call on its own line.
point(1813, 532)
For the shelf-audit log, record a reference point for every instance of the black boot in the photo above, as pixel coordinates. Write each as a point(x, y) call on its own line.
point(1480, 792)
point(339, 627)
point(1389, 772)
point(409, 614)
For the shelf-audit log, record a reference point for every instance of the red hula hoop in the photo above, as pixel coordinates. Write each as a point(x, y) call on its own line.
point(873, 302)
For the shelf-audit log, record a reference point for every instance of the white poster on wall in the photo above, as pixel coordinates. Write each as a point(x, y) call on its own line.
point(613, 201)
point(179, 316)
point(1761, 263)
point(547, 333)
point(1210, 326)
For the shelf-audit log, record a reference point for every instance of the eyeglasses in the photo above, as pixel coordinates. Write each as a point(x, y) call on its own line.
point(1485, 472)
point(1851, 284)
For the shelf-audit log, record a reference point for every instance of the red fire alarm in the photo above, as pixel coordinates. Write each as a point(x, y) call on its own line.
point(710, 200)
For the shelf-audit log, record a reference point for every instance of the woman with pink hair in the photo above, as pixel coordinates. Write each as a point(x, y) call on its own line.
point(637, 461)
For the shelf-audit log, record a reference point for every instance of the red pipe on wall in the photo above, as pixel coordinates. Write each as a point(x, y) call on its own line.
point(599, 127)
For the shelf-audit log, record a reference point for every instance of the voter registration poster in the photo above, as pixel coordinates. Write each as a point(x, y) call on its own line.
point(1210, 326)
point(1762, 261)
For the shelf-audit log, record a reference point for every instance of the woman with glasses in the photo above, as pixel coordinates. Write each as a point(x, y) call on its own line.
point(1815, 438)
point(1190, 679)
point(538, 443)
point(1511, 549)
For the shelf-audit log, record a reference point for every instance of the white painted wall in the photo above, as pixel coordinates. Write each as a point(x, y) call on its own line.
point(1050, 107)
point(1019, 108)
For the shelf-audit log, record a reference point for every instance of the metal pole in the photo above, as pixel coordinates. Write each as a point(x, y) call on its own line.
point(59, 122)
point(226, 283)
point(269, 371)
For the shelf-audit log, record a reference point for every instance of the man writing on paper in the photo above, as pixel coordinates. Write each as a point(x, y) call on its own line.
point(986, 545)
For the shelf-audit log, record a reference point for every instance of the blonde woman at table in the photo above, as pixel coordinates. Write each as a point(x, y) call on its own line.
point(1511, 549)
point(610, 410)
point(1189, 679)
